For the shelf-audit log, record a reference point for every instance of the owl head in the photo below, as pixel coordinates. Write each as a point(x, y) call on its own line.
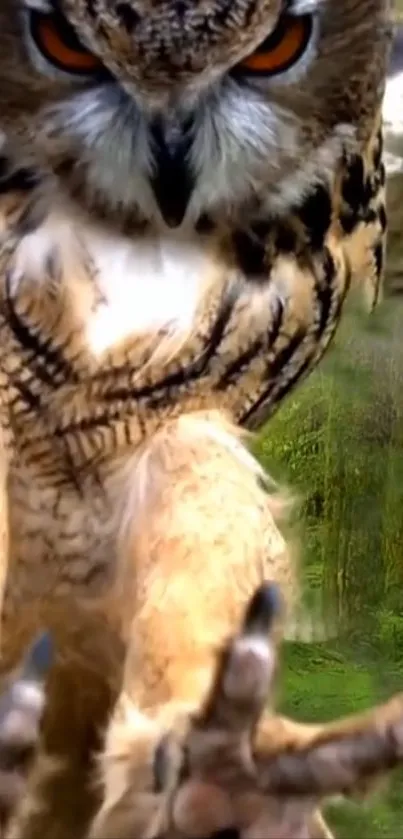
point(171, 111)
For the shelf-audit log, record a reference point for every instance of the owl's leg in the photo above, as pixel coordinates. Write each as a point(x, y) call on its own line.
point(59, 801)
point(201, 534)
point(63, 794)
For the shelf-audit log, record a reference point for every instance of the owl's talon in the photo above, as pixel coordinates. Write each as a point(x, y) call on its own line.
point(263, 609)
point(246, 668)
point(22, 706)
point(234, 769)
point(39, 658)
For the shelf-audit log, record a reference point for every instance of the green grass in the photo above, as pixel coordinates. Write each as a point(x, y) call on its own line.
point(325, 444)
point(320, 684)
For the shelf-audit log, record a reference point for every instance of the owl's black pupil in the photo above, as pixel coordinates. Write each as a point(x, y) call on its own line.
point(276, 37)
point(67, 33)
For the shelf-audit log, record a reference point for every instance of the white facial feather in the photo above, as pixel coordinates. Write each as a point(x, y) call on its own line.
point(304, 7)
point(142, 284)
point(40, 5)
point(110, 134)
point(146, 284)
point(236, 134)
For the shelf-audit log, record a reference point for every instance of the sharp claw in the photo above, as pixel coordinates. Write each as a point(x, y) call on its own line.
point(22, 705)
point(263, 609)
point(24, 699)
point(251, 661)
point(39, 658)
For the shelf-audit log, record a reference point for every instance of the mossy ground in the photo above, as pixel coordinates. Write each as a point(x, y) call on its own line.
point(322, 682)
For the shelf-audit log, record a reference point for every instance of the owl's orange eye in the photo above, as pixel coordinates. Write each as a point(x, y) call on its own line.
point(284, 46)
point(58, 43)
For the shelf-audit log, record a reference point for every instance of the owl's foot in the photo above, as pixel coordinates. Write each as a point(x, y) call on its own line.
point(22, 704)
point(232, 765)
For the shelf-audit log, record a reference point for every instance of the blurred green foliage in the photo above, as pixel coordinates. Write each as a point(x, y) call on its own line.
point(339, 444)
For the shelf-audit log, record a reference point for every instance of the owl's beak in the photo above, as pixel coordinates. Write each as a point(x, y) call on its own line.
point(172, 181)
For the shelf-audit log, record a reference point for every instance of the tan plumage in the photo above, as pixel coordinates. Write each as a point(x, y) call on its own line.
point(175, 237)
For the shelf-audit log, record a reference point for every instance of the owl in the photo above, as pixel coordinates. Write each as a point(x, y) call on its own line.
point(188, 190)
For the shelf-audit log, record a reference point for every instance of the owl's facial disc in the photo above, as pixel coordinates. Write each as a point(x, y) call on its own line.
point(173, 110)
point(181, 122)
